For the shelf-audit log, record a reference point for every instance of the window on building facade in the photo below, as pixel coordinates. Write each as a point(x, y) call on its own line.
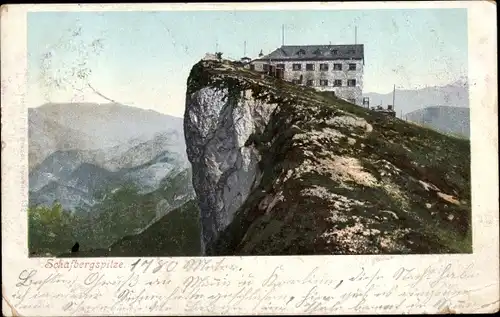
point(337, 66)
point(335, 52)
point(310, 83)
point(252, 67)
point(297, 66)
point(352, 66)
point(351, 51)
point(351, 82)
point(265, 67)
point(282, 66)
point(323, 67)
point(337, 83)
point(301, 52)
point(309, 66)
point(323, 82)
point(296, 81)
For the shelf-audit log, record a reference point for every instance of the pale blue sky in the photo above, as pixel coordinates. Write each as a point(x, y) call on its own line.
point(146, 56)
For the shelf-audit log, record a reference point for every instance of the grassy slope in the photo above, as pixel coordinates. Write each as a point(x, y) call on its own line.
point(176, 234)
point(292, 228)
point(128, 211)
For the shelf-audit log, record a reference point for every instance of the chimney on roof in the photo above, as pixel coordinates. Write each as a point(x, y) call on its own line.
point(261, 54)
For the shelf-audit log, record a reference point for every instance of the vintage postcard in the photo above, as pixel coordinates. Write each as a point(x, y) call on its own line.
point(270, 158)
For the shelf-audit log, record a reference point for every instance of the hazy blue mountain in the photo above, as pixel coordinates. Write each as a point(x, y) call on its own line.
point(45, 136)
point(148, 176)
point(406, 101)
point(111, 124)
point(78, 150)
point(86, 173)
point(171, 141)
point(57, 167)
point(69, 197)
point(73, 184)
point(454, 120)
point(88, 126)
point(91, 178)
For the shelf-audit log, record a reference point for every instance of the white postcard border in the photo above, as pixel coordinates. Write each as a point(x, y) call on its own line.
point(475, 277)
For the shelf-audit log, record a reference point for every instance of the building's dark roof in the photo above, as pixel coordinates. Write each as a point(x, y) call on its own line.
point(316, 52)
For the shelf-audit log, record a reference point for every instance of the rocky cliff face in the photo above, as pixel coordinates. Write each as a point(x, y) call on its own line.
point(283, 169)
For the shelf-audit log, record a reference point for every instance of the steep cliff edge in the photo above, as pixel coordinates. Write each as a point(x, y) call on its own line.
point(283, 169)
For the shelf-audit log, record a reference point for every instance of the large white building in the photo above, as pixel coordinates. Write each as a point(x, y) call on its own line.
point(337, 68)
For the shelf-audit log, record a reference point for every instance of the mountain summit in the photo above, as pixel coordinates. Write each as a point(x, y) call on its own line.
point(281, 169)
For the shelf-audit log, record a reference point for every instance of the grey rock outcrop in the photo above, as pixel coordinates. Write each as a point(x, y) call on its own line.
point(224, 169)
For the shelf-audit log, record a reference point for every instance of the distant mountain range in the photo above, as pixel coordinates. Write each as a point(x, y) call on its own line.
point(453, 95)
point(83, 126)
point(117, 168)
point(45, 136)
point(450, 120)
point(75, 178)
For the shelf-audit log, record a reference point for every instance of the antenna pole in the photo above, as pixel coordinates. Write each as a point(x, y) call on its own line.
point(245, 49)
point(393, 97)
point(216, 46)
point(355, 35)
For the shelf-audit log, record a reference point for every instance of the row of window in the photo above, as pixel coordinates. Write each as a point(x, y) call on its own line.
point(309, 67)
point(324, 82)
point(322, 67)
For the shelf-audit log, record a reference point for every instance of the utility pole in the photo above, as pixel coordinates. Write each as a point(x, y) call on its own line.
point(355, 35)
point(216, 46)
point(245, 49)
